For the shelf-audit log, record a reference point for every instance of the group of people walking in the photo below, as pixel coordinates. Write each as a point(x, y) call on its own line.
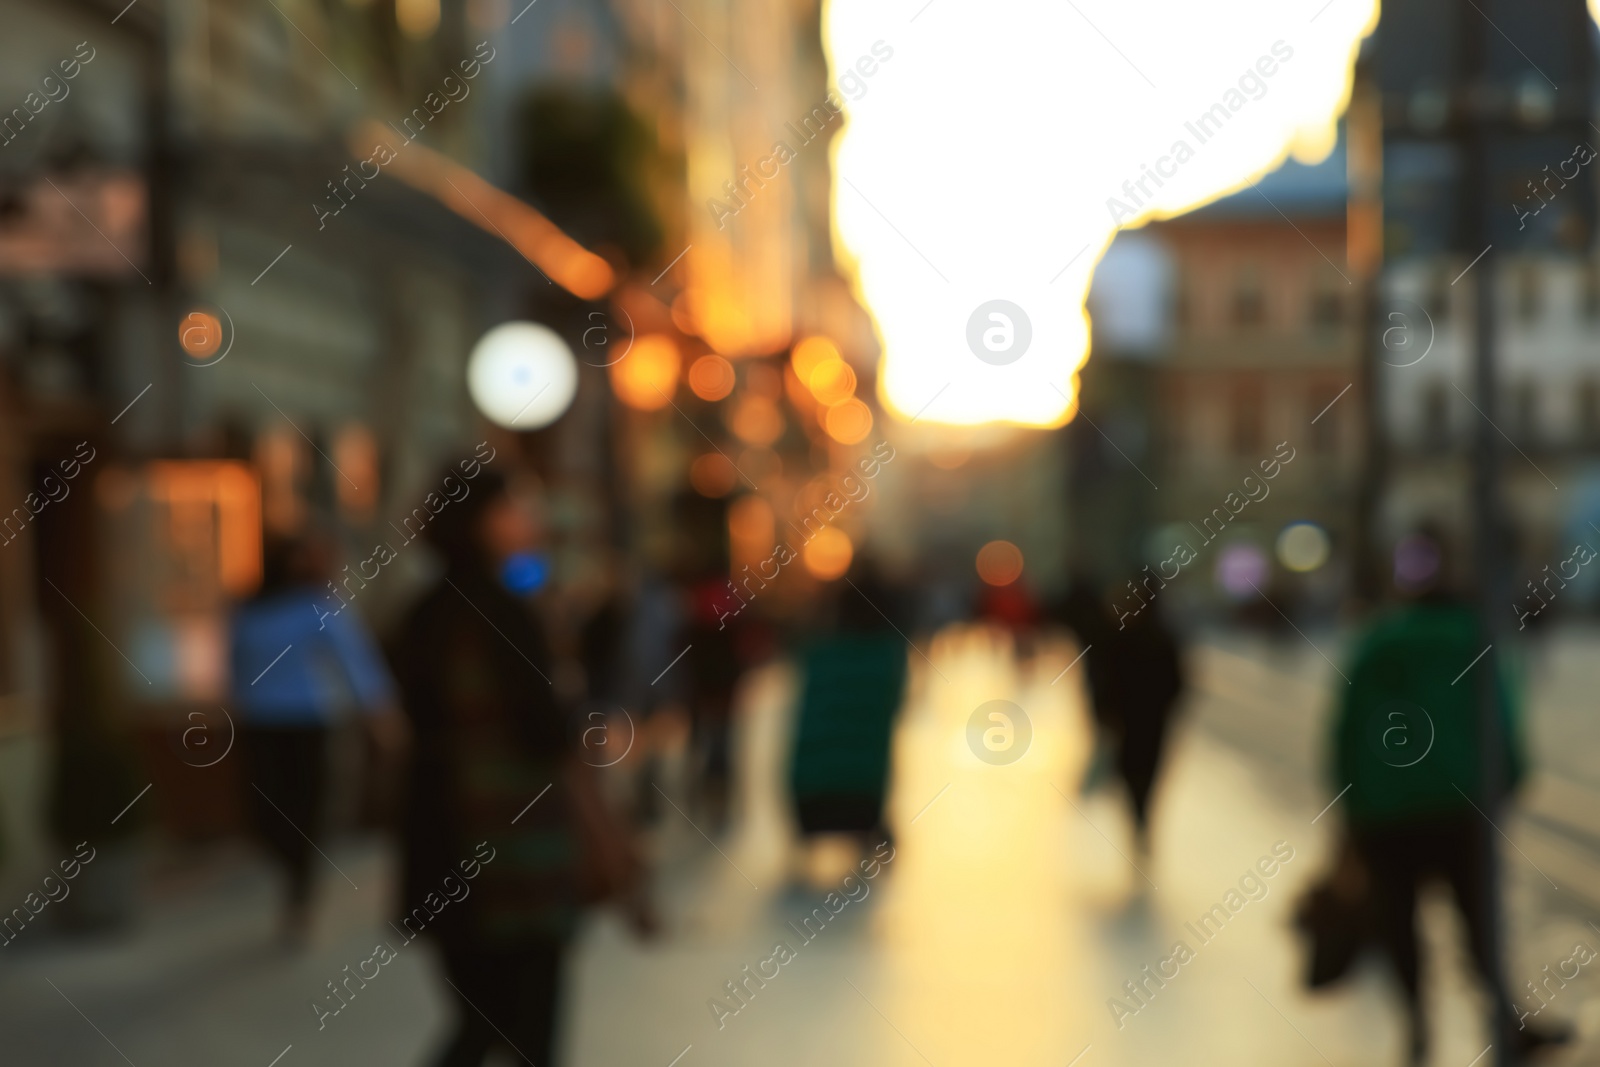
point(466, 693)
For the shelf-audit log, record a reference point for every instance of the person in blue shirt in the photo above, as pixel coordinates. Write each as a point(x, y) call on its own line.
point(298, 669)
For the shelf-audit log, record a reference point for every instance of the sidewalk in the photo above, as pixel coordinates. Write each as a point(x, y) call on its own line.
point(1010, 914)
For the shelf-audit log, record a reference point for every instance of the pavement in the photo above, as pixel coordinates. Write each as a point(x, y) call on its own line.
point(1000, 927)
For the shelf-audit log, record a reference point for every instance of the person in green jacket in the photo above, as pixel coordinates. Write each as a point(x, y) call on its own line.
point(853, 679)
point(1407, 748)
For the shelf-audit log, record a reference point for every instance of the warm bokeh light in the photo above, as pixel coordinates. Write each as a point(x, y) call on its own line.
point(848, 422)
point(933, 230)
point(949, 459)
point(220, 502)
point(417, 18)
point(646, 379)
point(999, 563)
point(797, 391)
point(200, 335)
point(832, 381)
point(827, 555)
point(712, 474)
point(356, 454)
point(683, 314)
point(711, 377)
point(542, 242)
point(752, 530)
point(756, 420)
point(810, 354)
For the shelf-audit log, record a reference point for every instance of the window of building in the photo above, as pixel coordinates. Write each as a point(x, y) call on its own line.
point(1327, 302)
point(1249, 298)
point(1325, 428)
point(1245, 425)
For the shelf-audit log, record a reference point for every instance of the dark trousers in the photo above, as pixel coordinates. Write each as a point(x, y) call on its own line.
point(504, 997)
point(1141, 741)
point(850, 813)
point(284, 794)
point(1400, 858)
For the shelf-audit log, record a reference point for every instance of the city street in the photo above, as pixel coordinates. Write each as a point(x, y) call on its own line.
point(834, 563)
point(1012, 910)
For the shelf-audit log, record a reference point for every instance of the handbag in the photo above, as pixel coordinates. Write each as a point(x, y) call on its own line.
point(1336, 915)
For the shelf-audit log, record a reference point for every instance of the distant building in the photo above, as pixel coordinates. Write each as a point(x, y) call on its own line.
point(1247, 341)
point(1538, 191)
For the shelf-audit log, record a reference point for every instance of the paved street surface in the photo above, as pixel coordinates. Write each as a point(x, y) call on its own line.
point(1012, 910)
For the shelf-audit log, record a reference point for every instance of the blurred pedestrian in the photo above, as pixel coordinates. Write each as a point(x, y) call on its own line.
point(298, 665)
point(654, 691)
point(496, 769)
point(713, 618)
point(1014, 608)
point(1138, 678)
point(1406, 746)
point(852, 682)
point(713, 669)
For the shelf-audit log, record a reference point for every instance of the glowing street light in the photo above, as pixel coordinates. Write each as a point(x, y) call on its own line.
point(522, 376)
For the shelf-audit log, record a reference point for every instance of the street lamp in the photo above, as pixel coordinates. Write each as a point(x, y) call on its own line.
point(522, 375)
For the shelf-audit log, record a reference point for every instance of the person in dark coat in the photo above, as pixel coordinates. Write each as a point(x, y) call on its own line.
point(494, 786)
point(1138, 680)
point(1133, 671)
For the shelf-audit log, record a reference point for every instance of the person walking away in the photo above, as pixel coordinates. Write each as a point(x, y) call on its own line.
point(495, 775)
point(297, 666)
point(1142, 678)
point(853, 681)
point(1406, 745)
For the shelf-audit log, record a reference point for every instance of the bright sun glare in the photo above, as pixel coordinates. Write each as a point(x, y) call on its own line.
point(987, 163)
